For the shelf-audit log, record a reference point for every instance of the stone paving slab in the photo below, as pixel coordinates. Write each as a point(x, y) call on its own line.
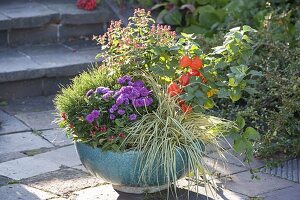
point(57, 60)
point(57, 137)
point(236, 159)
point(4, 180)
point(66, 156)
point(106, 192)
point(23, 192)
point(80, 167)
point(22, 142)
point(219, 194)
point(38, 120)
point(15, 66)
point(10, 124)
point(63, 182)
point(289, 193)
point(5, 22)
point(27, 167)
point(10, 156)
point(29, 104)
point(70, 14)
point(242, 183)
point(220, 168)
point(289, 169)
point(28, 14)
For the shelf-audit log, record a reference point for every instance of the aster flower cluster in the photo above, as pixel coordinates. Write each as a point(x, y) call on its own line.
point(114, 108)
point(123, 102)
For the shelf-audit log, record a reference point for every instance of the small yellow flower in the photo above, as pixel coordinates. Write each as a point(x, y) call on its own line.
point(212, 92)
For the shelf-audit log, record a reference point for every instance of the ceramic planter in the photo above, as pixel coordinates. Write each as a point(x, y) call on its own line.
point(122, 169)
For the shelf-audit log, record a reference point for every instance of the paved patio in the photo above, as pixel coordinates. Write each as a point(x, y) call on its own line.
point(37, 161)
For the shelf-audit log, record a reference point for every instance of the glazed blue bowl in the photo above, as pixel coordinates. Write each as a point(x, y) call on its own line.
point(123, 168)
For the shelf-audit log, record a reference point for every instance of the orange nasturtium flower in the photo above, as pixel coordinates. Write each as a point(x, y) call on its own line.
point(173, 89)
point(184, 79)
point(186, 108)
point(196, 63)
point(185, 61)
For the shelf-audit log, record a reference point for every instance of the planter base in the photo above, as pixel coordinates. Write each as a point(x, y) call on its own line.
point(139, 190)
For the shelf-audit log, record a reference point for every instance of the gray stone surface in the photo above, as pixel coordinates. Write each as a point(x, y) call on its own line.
point(81, 43)
point(5, 22)
point(28, 14)
point(106, 192)
point(289, 193)
point(29, 104)
point(3, 38)
point(242, 183)
point(23, 192)
point(27, 167)
point(219, 193)
point(66, 31)
point(4, 180)
point(288, 170)
point(63, 181)
point(70, 14)
point(21, 142)
point(38, 35)
point(10, 156)
point(57, 137)
point(10, 124)
point(220, 168)
point(16, 66)
point(66, 156)
point(38, 120)
point(57, 60)
point(232, 158)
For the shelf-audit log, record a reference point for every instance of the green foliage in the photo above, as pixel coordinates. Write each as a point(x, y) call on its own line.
point(155, 49)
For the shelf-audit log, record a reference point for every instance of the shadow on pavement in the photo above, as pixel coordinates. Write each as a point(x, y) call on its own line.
point(182, 194)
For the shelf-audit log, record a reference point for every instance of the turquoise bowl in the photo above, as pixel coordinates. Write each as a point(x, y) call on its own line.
point(123, 168)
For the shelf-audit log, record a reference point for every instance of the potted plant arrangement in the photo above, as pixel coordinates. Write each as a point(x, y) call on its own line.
point(139, 119)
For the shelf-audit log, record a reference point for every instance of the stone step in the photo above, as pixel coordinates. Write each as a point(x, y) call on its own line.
point(40, 69)
point(43, 21)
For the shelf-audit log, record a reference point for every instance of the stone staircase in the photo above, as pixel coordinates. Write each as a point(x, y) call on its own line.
point(43, 43)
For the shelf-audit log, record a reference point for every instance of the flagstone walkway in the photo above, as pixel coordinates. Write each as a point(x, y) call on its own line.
point(37, 161)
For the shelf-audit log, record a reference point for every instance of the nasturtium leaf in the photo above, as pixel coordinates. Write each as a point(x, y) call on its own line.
point(173, 17)
point(223, 93)
point(235, 94)
point(251, 134)
point(240, 121)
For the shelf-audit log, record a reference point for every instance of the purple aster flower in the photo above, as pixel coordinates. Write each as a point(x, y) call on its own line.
point(120, 99)
point(112, 116)
point(121, 112)
point(117, 94)
point(123, 80)
point(144, 92)
point(138, 83)
point(149, 101)
point(111, 110)
point(102, 90)
point(134, 94)
point(132, 117)
point(130, 83)
point(95, 113)
point(126, 102)
point(114, 107)
point(107, 95)
point(89, 93)
point(89, 118)
point(126, 89)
